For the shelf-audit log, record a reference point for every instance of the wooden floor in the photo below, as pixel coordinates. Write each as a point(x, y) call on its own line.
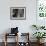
point(13, 44)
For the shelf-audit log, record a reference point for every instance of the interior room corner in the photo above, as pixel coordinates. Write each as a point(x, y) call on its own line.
point(22, 22)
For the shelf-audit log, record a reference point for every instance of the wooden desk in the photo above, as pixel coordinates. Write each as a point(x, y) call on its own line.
point(8, 34)
point(17, 43)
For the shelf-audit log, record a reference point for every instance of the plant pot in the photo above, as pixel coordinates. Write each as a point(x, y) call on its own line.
point(40, 40)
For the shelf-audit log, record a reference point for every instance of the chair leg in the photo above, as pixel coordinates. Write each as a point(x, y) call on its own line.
point(5, 43)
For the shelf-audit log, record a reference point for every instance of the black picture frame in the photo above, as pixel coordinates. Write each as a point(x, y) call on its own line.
point(17, 13)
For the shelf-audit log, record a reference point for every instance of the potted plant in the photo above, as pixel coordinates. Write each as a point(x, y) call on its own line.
point(39, 35)
point(35, 26)
point(38, 27)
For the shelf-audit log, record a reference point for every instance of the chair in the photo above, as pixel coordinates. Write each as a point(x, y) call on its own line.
point(14, 32)
point(7, 35)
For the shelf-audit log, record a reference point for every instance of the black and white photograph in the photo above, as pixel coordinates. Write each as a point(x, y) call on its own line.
point(17, 13)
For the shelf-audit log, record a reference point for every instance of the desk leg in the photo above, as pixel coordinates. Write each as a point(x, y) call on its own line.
point(5, 40)
point(5, 43)
point(17, 40)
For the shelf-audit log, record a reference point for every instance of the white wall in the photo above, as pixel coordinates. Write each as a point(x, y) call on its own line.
point(24, 25)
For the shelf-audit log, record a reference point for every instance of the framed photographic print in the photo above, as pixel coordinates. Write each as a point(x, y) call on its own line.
point(17, 13)
point(41, 12)
point(41, 9)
